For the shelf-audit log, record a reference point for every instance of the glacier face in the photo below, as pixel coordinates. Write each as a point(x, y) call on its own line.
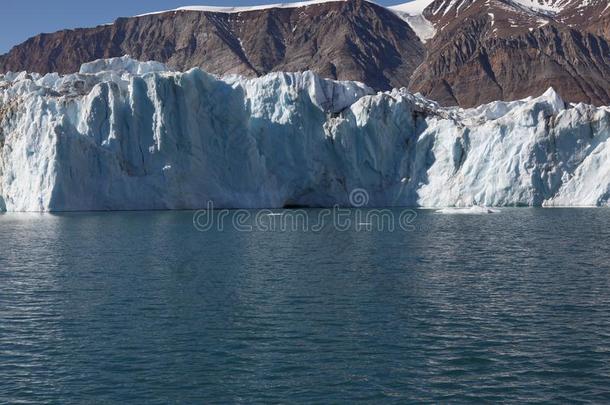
point(125, 135)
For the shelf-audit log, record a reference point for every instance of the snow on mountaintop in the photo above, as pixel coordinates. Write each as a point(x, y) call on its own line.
point(220, 9)
point(552, 6)
point(414, 7)
point(412, 13)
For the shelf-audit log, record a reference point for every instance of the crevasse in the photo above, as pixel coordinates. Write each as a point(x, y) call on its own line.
point(123, 134)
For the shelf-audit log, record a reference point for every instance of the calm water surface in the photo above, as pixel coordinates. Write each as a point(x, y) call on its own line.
point(143, 308)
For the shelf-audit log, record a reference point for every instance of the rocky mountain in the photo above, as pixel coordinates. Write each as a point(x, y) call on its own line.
point(487, 50)
point(346, 40)
point(458, 52)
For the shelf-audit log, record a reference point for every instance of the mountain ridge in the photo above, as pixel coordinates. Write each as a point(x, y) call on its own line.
point(458, 52)
point(340, 40)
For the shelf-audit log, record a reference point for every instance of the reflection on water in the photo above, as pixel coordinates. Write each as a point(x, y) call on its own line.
point(141, 307)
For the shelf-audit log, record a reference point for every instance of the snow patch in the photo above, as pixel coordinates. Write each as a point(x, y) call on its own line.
point(412, 13)
point(414, 7)
point(546, 6)
point(231, 10)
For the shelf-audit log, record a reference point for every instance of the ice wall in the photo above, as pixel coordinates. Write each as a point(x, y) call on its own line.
point(128, 135)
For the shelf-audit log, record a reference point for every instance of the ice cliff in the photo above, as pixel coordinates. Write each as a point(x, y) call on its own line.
point(128, 135)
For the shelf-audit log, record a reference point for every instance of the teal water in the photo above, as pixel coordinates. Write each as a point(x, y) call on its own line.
point(143, 308)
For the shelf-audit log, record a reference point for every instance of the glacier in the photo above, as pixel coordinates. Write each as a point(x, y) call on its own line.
point(129, 135)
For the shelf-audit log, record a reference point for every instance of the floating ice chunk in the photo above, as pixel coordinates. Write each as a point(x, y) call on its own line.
point(474, 210)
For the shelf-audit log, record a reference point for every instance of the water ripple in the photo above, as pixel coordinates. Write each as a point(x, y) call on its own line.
point(140, 307)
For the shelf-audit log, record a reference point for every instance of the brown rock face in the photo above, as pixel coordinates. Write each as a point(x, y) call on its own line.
point(353, 40)
point(495, 51)
point(595, 17)
point(483, 50)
